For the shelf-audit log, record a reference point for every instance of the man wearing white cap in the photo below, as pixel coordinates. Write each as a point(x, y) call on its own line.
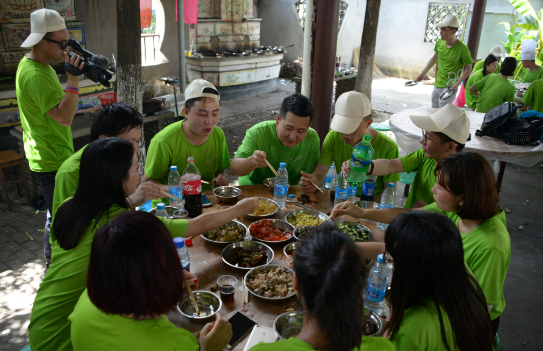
point(351, 122)
point(197, 136)
point(46, 110)
point(531, 71)
point(444, 133)
point(497, 51)
point(453, 62)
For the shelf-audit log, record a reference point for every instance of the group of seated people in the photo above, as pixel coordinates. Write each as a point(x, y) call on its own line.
point(115, 272)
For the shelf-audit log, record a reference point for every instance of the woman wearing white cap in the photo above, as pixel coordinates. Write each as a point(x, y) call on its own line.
point(493, 90)
point(531, 71)
point(498, 52)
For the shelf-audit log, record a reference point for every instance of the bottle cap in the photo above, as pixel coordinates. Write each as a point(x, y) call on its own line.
point(380, 258)
point(190, 159)
point(160, 206)
point(173, 168)
point(291, 196)
point(367, 138)
point(391, 185)
point(282, 165)
point(188, 242)
point(180, 243)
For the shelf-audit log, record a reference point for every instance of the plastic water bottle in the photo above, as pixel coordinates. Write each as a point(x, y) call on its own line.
point(281, 185)
point(360, 161)
point(377, 286)
point(342, 188)
point(329, 179)
point(161, 211)
point(351, 192)
point(387, 201)
point(368, 190)
point(182, 252)
point(174, 183)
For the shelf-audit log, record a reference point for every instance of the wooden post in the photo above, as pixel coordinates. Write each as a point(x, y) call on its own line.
point(367, 48)
point(129, 78)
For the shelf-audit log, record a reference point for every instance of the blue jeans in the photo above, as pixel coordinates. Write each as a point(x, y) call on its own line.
point(47, 182)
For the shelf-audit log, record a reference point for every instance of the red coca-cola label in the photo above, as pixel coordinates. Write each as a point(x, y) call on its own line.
point(192, 187)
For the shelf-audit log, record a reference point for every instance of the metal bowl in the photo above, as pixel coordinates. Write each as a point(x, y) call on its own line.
point(367, 204)
point(247, 245)
point(297, 231)
point(173, 212)
point(446, 94)
point(371, 316)
point(356, 224)
point(320, 215)
point(411, 83)
point(270, 183)
point(227, 194)
point(254, 271)
point(256, 218)
point(224, 243)
point(288, 325)
point(206, 301)
point(277, 223)
point(288, 250)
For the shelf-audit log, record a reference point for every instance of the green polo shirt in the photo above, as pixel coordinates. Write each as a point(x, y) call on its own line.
point(487, 251)
point(424, 180)
point(46, 142)
point(294, 344)
point(528, 77)
point(263, 137)
point(336, 150)
point(450, 62)
point(471, 100)
point(67, 179)
point(534, 96)
point(480, 64)
point(494, 90)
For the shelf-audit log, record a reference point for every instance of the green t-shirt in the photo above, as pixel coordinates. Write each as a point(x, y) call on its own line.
point(93, 329)
point(47, 143)
point(450, 62)
point(534, 96)
point(263, 137)
point(528, 77)
point(471, 100)
point(424, 180)
point(420, 329)
point(480, 64)
point(64, 283)
point(487, 251)
point(67, 179)
point(494, 90)
point(294, 344)
point(336, 150)
point(170, 147)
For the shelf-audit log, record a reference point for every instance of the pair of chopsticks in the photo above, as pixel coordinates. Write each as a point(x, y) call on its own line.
point(277, 174)
point(192, 298)
point(341, 208)
point(245, 294)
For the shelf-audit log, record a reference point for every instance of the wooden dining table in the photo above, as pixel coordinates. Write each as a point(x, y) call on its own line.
point(206, 261)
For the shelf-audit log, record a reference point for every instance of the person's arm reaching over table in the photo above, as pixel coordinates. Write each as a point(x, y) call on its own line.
point(385, 215)
point(381, 167)
point(145, 192)
point(316, 177)
point(243, 166)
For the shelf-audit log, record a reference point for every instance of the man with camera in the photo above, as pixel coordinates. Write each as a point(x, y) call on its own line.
point(46, 110)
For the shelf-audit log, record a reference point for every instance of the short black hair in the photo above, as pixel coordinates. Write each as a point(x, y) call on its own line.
point(114, 120)
point(456, 29)
point(447, 139)
point(298, 104)
point(190, 102)
point(509, 66)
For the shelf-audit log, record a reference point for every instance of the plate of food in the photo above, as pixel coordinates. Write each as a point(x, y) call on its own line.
point(357, 231)
point(303, 231)
point(271, 230)
point(245, 255)
point(272, 282)
point(300, 218)
point(228, 233)
point(266, 208)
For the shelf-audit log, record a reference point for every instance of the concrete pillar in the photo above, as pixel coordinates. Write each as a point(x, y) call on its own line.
point(475, 27)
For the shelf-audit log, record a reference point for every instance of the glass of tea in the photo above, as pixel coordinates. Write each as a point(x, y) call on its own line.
point(227, 287)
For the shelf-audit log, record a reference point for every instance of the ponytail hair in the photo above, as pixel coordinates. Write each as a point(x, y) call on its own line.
point(488, 60)
point(330, 270)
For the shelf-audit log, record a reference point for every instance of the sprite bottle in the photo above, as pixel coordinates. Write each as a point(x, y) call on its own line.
point(360, 161)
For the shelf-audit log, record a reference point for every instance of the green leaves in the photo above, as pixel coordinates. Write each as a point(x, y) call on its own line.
point(524, 7)
point(528, 22)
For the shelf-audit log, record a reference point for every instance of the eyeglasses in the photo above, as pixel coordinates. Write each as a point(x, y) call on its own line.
point(139, 170)
point(387, 258)
point(63, 45)
point(425, 138)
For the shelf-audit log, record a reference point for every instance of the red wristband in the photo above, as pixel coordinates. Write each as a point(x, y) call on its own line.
point(72, 91)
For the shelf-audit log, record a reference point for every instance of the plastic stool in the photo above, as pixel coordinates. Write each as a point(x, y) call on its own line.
point(10, 158)
point(407, 179)
point(497, 342)
point(26, 348)
point(385, 128)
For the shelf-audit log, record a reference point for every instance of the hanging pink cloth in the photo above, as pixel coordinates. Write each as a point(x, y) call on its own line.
point(461, 98)
point(146, 12)
point(190, 11)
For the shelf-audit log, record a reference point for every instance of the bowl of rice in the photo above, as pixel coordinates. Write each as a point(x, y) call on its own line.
point(266, 208)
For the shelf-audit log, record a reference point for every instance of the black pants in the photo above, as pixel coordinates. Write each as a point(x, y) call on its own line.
point(47, 182)
point(495, 325)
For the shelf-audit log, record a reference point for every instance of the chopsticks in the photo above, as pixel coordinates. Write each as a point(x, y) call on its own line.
point(203, 181)
point(319, 189)
point(170, 195)
point(245, 294)
point(193, 299)
point(271, 167)
point(341, 208)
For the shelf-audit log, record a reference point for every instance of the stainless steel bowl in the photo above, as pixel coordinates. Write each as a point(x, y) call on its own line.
point(288, 325)
point(356, 224)
point(367, 204)
point(227, 194)
point(320, 215)
point(277, 223)
point(206, 301)
point(270, 183)
point(247, 245)
point(371, 316)
point(446, 94)
point(254, 271)
point(256, 218)
point(224, 243)
point(297, 231)
point(173, 212)
point(288, 249)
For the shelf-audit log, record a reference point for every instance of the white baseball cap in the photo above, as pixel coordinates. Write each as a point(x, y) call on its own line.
point(497, 51)
point(449, 120)
point(351, 108)
point(449, 21)
point(528, 48)
point(195, 89)
point(42, 22)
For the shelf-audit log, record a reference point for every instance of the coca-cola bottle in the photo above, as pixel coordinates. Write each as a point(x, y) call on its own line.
point(192, 188)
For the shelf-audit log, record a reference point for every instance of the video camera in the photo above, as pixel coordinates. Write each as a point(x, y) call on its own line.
point(94, 72)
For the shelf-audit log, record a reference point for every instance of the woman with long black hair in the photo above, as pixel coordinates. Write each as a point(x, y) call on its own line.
point(329, 281)
point(490, 66)
point(109, 172)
